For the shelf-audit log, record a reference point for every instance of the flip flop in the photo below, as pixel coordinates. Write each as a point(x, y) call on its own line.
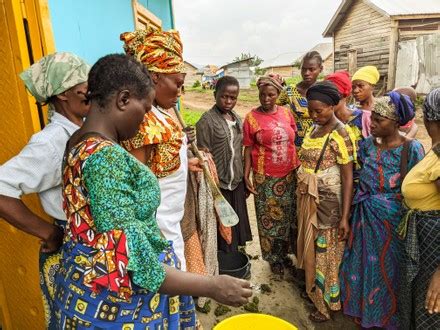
point(318, 317)
point(277, 268)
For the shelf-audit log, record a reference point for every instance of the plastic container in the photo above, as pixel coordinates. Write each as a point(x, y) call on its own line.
point(235, 264)
point(254, 322)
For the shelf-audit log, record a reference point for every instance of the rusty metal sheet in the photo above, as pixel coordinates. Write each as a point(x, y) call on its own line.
point(407, 65)
point(418, 63)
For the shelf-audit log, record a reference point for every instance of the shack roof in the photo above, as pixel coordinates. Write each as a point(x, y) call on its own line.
point(284, 59)
point(386, 7)
point(191, 65)
point(325, 49)
point(234, 62)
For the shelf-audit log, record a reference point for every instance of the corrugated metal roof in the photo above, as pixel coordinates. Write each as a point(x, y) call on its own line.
point(387, 7)
point(290, 58)
point(285, 59)
point(408, 7)
point(325, 49)
point(238, 61)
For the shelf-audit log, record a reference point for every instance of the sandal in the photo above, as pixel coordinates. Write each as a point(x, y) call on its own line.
point(277, 268)
point(318, 317)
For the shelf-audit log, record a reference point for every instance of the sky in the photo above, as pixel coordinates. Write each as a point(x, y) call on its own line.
point(216, 31)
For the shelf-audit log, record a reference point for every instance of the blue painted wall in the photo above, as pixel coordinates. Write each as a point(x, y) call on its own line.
point(91, 29)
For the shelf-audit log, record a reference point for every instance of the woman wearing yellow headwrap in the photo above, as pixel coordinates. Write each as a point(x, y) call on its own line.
point(363, 82)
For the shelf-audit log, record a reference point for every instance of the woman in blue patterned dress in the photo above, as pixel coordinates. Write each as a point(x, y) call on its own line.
point(369, 272)
point(117, 271)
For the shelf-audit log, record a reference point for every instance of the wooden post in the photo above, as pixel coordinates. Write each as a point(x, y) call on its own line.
point(352, 61)
point(334, 48)
point(394, 40)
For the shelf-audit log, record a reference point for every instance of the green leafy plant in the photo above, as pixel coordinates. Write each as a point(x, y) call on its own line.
point(191, 117)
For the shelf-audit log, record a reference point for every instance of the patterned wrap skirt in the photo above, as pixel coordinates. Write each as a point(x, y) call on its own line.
point(77, 307)
point(276, 212)
point(319, 250)
point(421, 233)
point(370, 267)
point(49, 264)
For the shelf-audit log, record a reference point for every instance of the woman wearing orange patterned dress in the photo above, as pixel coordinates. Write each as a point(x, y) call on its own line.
point(160, 142)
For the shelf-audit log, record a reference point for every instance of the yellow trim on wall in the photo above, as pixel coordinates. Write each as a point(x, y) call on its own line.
point(20, 297)
point(46, 31)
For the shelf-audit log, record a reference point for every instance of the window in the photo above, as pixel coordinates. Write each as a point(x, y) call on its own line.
point(143, 17)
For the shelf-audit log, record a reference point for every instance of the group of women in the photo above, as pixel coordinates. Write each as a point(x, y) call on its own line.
point(114, 256)
point(343, 187)
point(367, 199)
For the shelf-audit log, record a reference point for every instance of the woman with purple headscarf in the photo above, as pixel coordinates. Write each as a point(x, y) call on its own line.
point(369, 273)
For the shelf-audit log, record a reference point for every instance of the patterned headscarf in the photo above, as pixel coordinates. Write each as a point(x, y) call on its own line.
point(342, 81)
point(368, 73)
point(404, 107)
point(395, 106)
point(54, 74)
point(274, 80)
point(431, 106)
point(160, 51)
point(385, 108)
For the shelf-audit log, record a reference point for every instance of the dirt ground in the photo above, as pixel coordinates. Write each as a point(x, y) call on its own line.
point(284, 301)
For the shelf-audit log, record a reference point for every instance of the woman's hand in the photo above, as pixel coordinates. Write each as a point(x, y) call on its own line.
point(54, 241)
point(190, 132)
point(432, 302)
point(250, 186)
point(247, 172)
point(343, 230)
point(222, 288)
point(230, 291)
point(194, 165)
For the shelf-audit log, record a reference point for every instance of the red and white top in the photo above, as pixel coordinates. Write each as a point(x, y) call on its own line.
point(271, 137)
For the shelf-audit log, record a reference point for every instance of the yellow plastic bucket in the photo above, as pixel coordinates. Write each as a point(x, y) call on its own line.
point(254, 322)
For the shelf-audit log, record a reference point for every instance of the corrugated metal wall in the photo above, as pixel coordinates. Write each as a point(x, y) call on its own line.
point(418, 63)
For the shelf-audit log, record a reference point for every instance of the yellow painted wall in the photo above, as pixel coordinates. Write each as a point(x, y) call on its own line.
point(20, 298)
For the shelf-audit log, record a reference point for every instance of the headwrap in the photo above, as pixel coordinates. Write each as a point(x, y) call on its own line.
point(325, 92)
point(342, 81)
point(384, 108)
point(404, 107)
point(271, 79)
point(395, 106)
point(54, 74)
point(368, 73)
point(160, 51)
point(431, 106)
